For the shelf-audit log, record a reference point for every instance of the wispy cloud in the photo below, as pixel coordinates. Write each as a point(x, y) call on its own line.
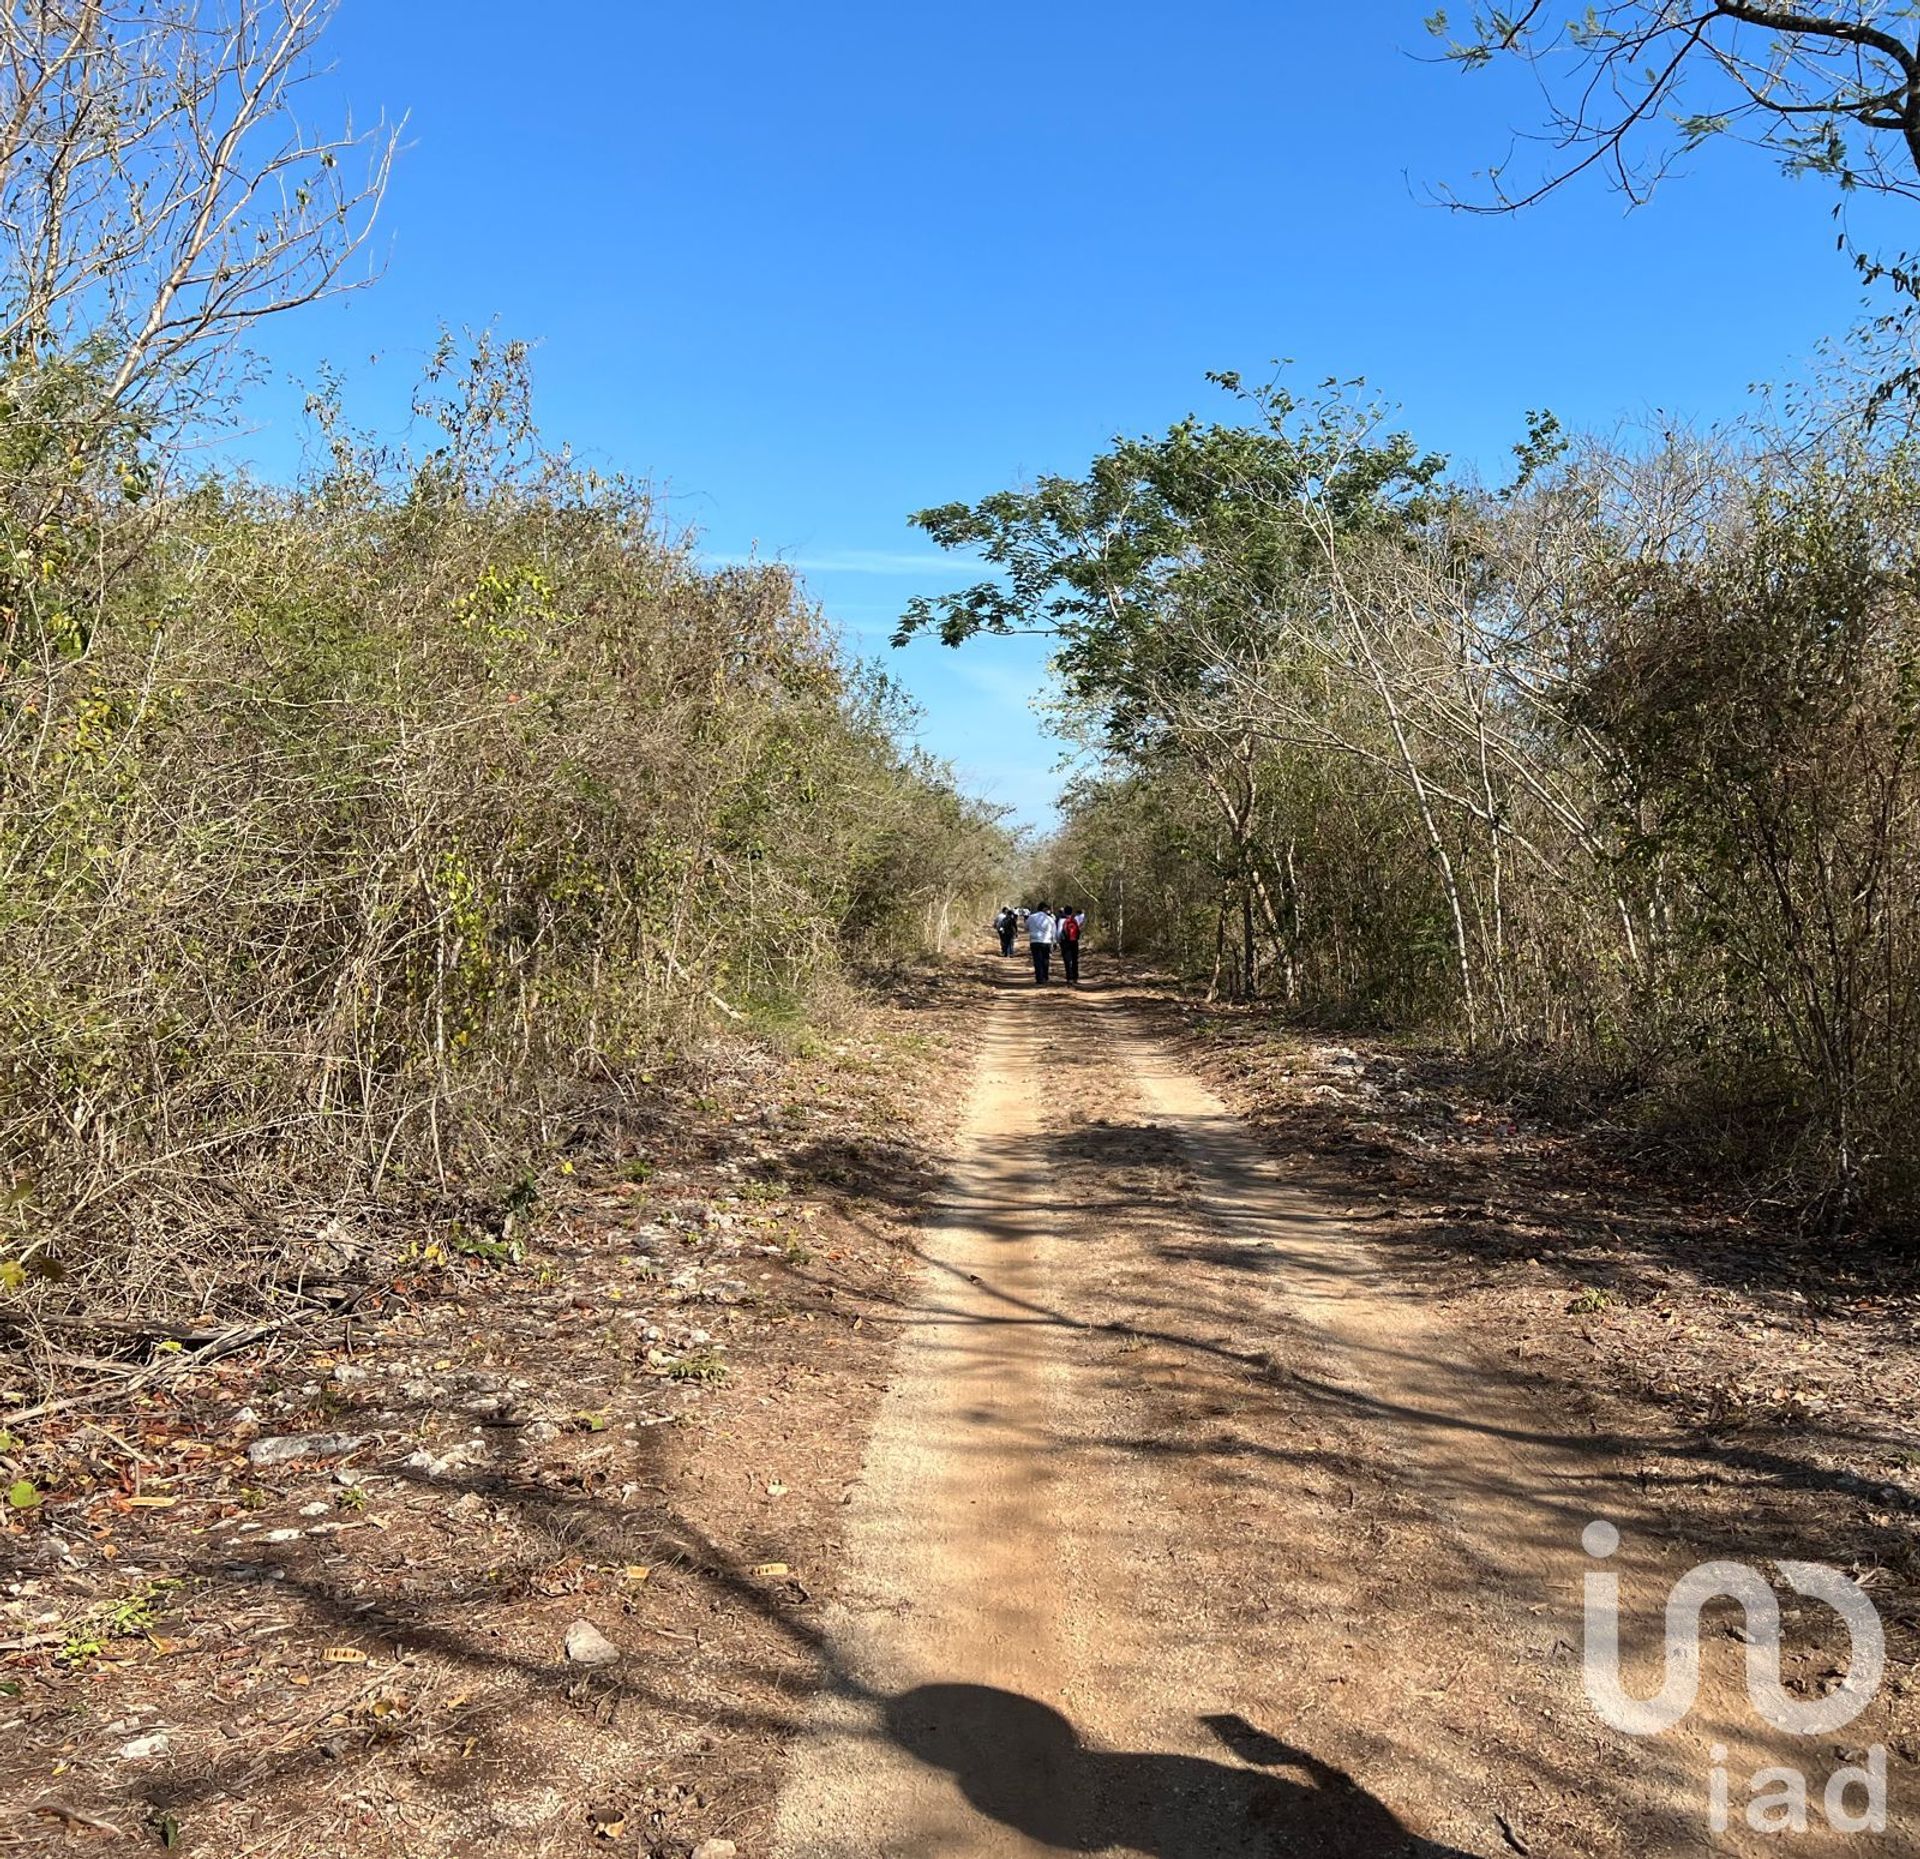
point(858, 561)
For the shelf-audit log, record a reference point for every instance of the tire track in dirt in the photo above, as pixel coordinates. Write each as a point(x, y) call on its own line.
point(1185, 1533)
point(1498, 1490)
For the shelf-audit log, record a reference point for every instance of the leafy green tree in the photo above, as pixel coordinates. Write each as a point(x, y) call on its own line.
point(1170, 557)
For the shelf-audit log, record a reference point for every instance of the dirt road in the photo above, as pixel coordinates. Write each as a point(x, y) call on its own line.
point(1185, 1532)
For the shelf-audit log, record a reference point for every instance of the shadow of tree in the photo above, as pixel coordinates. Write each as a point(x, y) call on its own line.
point(1016, 1760)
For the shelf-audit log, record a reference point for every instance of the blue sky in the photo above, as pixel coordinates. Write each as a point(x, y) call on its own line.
point(809, 269)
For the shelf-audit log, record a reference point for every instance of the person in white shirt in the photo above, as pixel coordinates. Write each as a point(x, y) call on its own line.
point(1041, 930)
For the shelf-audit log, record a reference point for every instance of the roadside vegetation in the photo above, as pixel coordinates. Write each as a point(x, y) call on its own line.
point(364, 840)
point(1608, 768)
point(1611, 765)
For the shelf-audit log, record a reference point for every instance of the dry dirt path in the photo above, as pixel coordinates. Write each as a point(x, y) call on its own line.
point(1185, 1532)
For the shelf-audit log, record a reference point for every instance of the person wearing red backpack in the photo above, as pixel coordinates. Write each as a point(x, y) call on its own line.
point(1072, 923)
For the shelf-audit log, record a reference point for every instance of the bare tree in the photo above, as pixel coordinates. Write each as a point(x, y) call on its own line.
point(160, 195)
point(1829, 86)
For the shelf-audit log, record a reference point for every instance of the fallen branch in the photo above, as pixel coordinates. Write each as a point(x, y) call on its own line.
point(59, 1810)
point(673, 962)
point(134, 1329)
point(241, 1336)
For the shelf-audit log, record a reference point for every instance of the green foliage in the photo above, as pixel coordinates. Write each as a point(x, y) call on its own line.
point(132, 1616)
point(1757, 700)
point(65, 472)
point(370, 832)
point(462, 1242)
point(1108, 564)
point(1615, 764)
point(1169, 561)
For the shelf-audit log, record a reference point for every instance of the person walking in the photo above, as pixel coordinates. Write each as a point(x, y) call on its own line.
point(1006, 923)
point(1041, 929)
point(1071, 923)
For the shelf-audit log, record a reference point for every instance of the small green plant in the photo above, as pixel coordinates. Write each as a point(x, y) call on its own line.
point(470, 1245)
point(523, 1195)
point(796, 1251)
point(1591, 1301)
point(250, 1497)
point(82, 1646)
point(783, 1018)
point(699, 1365)
point(131, 1617)
point(639, 1171)
point(135, 1613)
point(459, 1241)
point(352, 1498)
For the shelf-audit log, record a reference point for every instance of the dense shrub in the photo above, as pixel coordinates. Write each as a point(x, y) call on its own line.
point(356, 837)
point(1613, 767)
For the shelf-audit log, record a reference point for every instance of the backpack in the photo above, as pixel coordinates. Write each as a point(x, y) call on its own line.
point(1069, 929)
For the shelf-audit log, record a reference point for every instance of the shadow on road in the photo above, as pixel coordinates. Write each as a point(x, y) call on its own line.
point(1021, 1763)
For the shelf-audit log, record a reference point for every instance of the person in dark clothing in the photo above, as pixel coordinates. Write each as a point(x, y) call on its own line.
point(1006, 923)
point(1072, 922)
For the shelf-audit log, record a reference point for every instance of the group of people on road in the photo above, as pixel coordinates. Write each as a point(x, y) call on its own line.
point(1046, 929)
